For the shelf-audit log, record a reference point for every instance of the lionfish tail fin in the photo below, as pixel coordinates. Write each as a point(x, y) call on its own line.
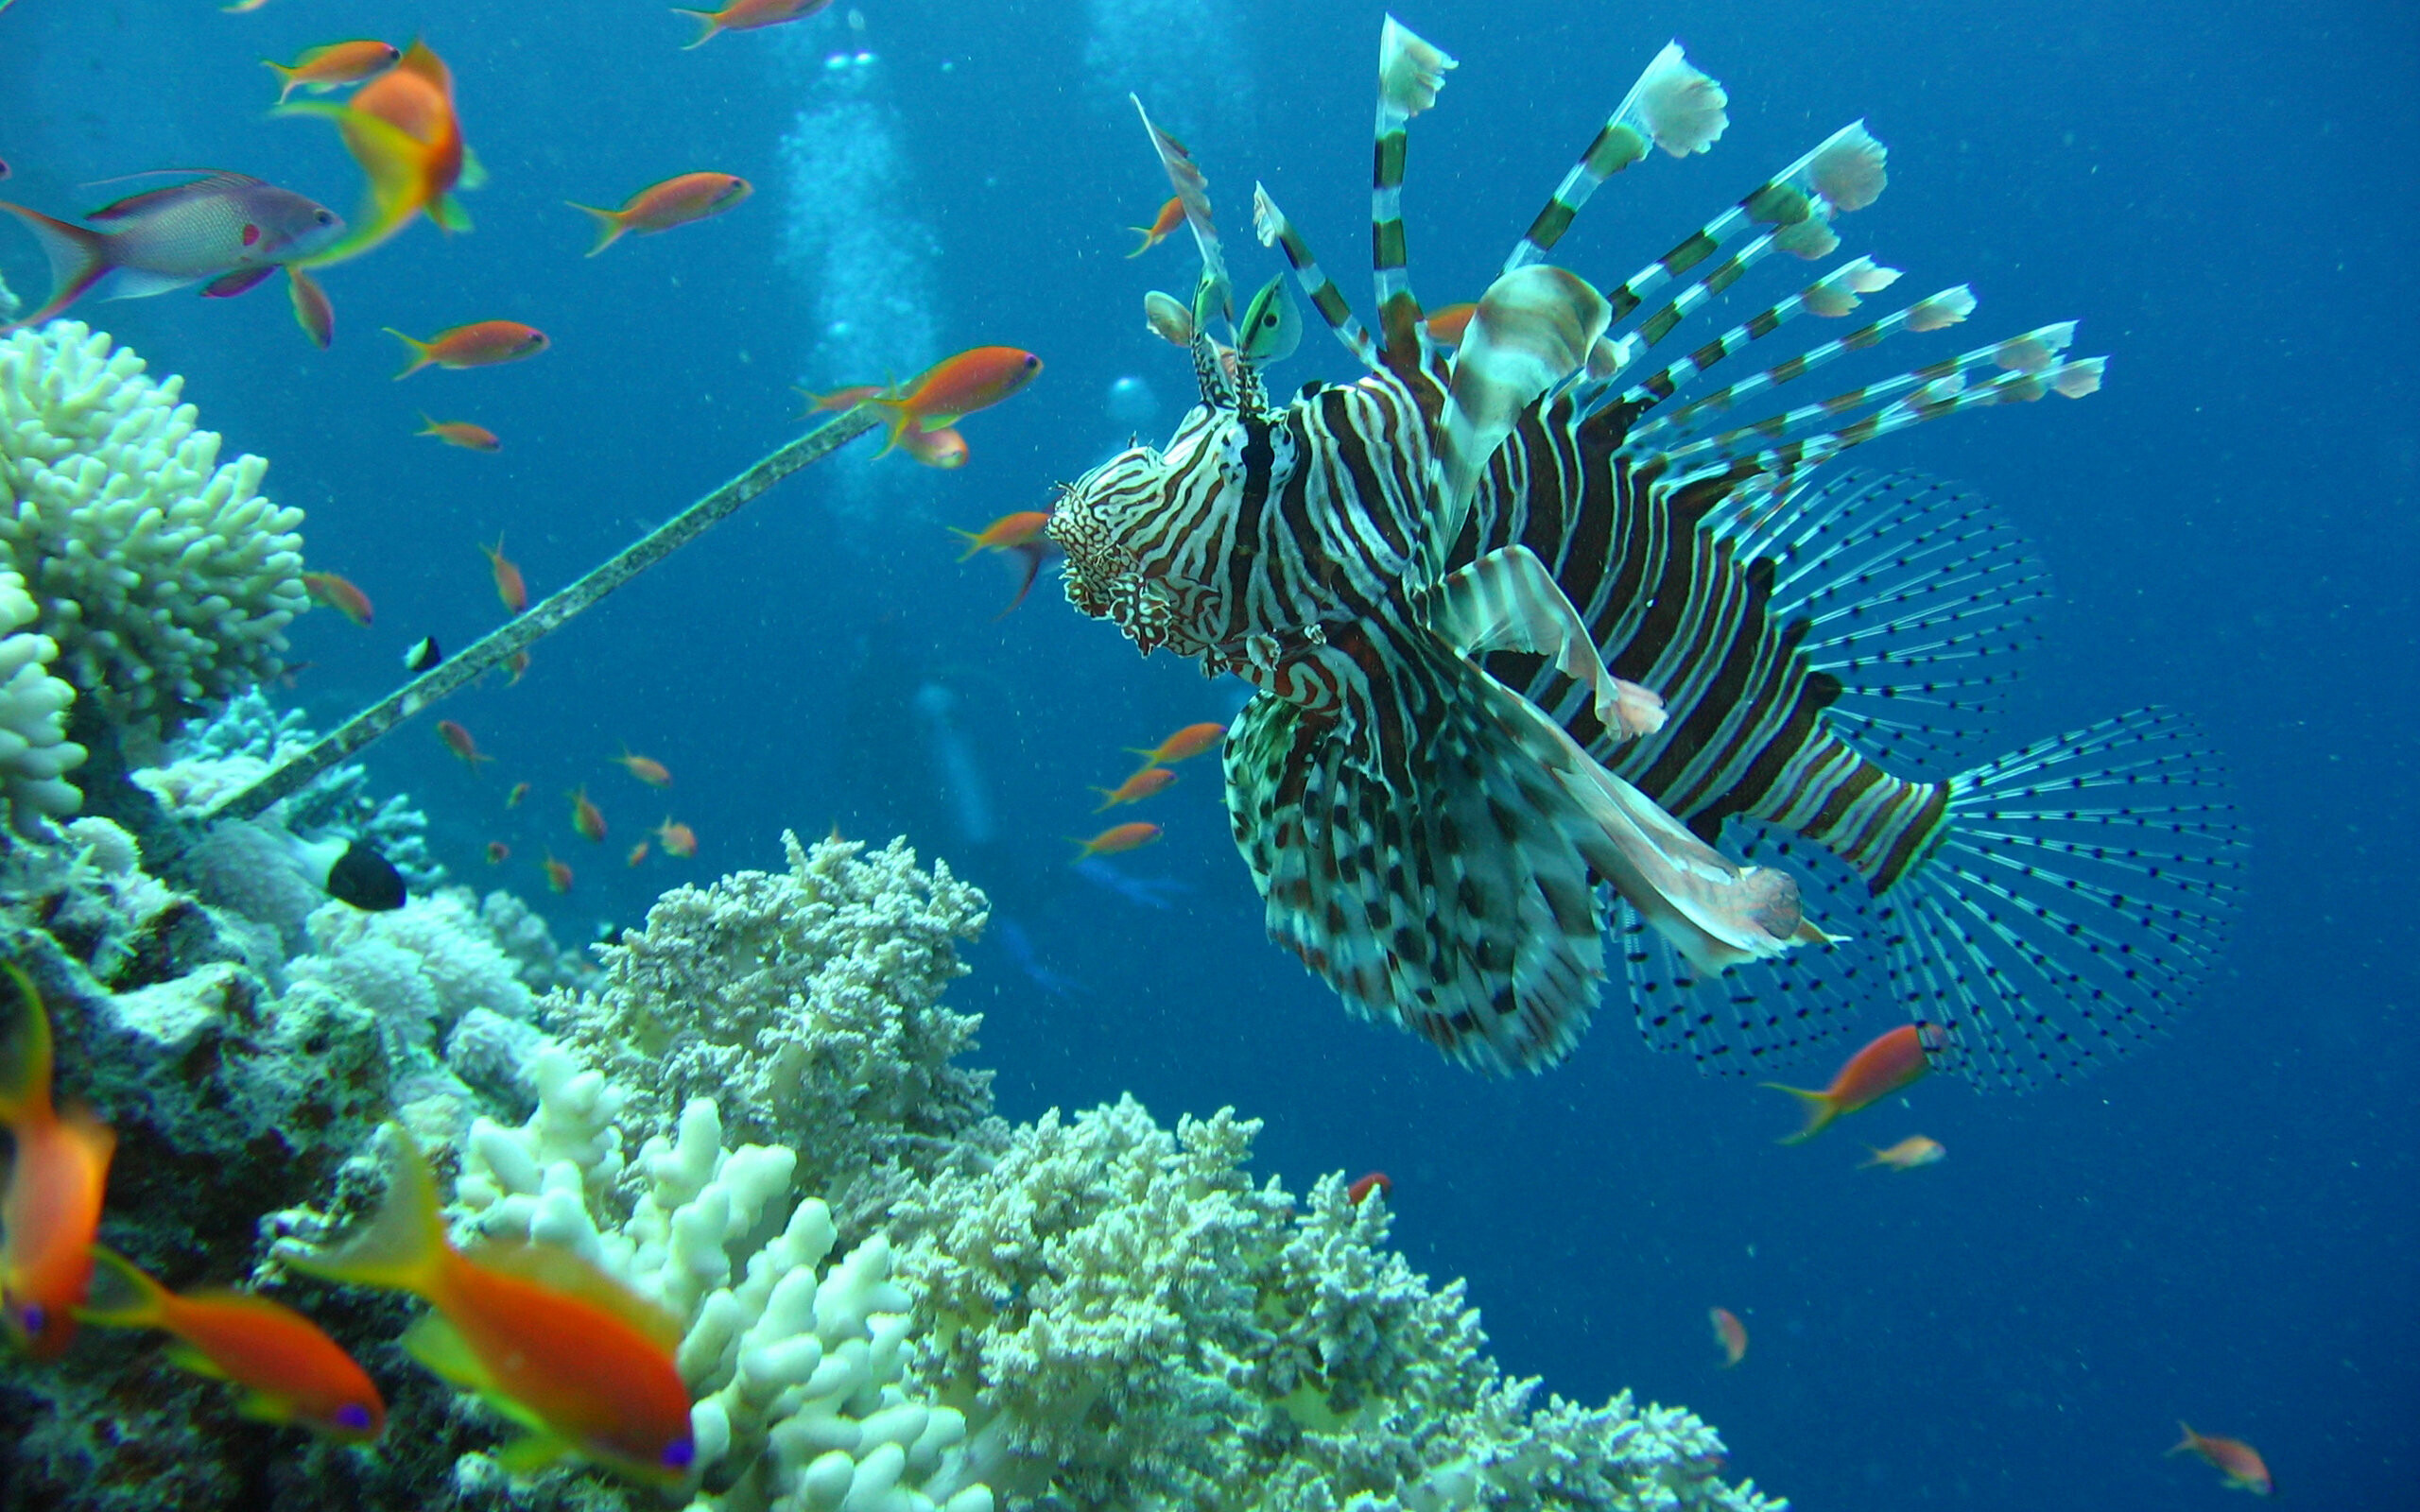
point(2073, 894)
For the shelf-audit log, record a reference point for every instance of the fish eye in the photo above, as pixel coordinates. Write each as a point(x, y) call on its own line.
point(32, 1316)
point(352, 1414)
point(326, 218)
point(679, 1454)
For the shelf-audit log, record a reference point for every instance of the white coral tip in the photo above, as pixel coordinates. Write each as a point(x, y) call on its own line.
point(1410, 72)
point(1946, 308)
point(1680, 107)
point(1848, 170)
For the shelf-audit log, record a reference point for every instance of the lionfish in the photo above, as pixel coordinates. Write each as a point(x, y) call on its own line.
point(1539, 621)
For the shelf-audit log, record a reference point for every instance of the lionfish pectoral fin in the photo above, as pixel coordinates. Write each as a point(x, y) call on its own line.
point(1507, 601)
point(1534, 327)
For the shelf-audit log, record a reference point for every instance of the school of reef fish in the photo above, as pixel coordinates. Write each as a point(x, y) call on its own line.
point(330, 1185)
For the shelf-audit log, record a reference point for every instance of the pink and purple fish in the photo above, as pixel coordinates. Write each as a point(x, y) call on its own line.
point(224, 230)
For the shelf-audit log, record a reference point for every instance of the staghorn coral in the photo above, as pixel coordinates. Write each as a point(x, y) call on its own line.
point(165, 578)
point(805, 1004)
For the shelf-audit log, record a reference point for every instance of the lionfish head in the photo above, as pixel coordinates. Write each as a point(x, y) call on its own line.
point(1122, 526)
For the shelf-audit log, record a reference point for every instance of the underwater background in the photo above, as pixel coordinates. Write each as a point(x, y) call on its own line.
point(2220, 1230)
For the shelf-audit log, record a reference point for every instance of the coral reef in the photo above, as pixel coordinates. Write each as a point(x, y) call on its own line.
point(162, 576)
point(35, 752)
point(1091, 1313)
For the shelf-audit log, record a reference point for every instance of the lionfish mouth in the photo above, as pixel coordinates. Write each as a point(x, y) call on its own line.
point(1102, 573)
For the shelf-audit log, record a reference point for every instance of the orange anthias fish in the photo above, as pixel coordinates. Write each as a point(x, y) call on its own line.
point(520, 791)
point(510, 588)
point(2234, 1459)
point(401, 129)
point(1448, 326)
point(1171, 216)
point(637, 854)
point(1907, 1155)
point(226, 232)
point(458, 741)
point(558, 874)
point(748, 15)
point(1362, 1186)
point(1873, 1073)
point(1190, 741)
point(1007, 533)
point(334, 66)
point(585, 817)
point(1731, 1333)
point(547, 1338)
point(677, 839)
point(52, 1206)
point(338, 594)
point(480, 344)
point(1116, 839)
point(943, 448)
point(839, 398)
point(459, 433)
point(290, 1370)
point(498, 853)
point(311, 311)
point(1135, 788)
point(676, 201)
point(645, 768)
point(956, 387)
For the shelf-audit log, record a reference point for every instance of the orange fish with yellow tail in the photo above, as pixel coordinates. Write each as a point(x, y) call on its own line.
point(1171, 216)
point(460, 743)
point(480, 344)
point(746, 15)
point(1185, 744)
point(586, 818)
point(52, 1205)
point(460, 433)
point(955, 388)
point(334, 66)
point(676, 201)
point(1115, 840)
point(1907, 1155)
point(2234, 1459)
point(290, 1371)
point(1729, 1333)
point(645, 768)
point(338, 593)
point(1135, 788)
point(552, 1342)
point(511, 590)
point(401, 129)
point(677, 839)
point(1892, 1061)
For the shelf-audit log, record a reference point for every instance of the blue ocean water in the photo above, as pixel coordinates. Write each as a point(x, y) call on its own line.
point(2220, 1230)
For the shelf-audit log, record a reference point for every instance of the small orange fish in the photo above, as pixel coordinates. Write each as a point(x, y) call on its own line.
point(1731, 1333)
point(1907, 1155)
point(480, 344)
point(510, 588)
point(518, 664)
point(1116, 839)
point(1135, 788)
point(2233, 1458)
point(498, 853)
point(839, 398)
point(677, 839)
point(401, 129)
point(748, 15)
point(458, 741)
point(1190, 741)
point(561, 1347)
point(638, 854)
point(645, 768)
point(334, 66)
point(311, 311)
point(558, 874)
point(1362, 1186)
point(338, 594)
point(459, 433)
point(291, 1372)
point(676, 201)
point(1171, 216)
point(957, 386)
point(520, 791)
point(1892, 1061)
point(52, 1204)
point(1448, 326)
point(1007, 533)
point(943, 449)
point(585, 817)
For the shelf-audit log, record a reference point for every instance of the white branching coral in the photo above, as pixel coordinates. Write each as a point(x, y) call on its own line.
point(165, 578)
point(807, 1005)
point(35, 753)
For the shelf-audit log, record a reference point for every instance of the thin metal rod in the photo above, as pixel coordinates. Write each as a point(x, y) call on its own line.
point(547, 615)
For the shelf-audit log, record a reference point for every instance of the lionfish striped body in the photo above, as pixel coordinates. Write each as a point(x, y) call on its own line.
point(1533, 640)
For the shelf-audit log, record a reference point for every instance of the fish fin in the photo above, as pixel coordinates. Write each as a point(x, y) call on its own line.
point(420, 352)
point(1150, 240)
point(449, 215)
point(708, 23)
point(900, 416)
point(243, 281)
point(121, 1296)
point(313, 311)
point(440, 1347)
point(531, 1454)
point(1818, 1107)
point(2190, 1442)
point(473, 174)
point(974, 545)
point(610, 227)
point(396, 163)
point(265, 1407)
point(186, 1357)
point(402, 1247)
point(196, 181)
point(141, 283)
point(1035, 554)
point(285, 77)
point(559, 1270)
point(78, 259)
point(24, 1051)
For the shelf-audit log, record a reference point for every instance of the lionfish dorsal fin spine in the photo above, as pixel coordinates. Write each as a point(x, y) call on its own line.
point(1274, 230)
point(1410, 73)
point(1673, 106)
